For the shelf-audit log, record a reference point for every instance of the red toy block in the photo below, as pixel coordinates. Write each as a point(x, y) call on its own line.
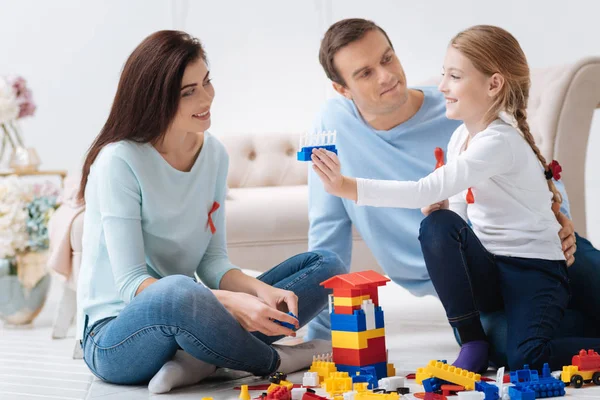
point(373, 354)
point(349, 292)
point(449, 390)
point(430, 396)
point(586, 360)
point(311, 395)
point(281, 393)
point(349, 310)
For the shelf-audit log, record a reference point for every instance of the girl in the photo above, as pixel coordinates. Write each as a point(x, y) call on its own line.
point(496, 178)
point(154, 184)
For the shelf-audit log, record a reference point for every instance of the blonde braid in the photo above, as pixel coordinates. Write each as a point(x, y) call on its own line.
point(521, 117)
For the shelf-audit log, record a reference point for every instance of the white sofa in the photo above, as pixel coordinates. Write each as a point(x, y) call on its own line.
point(267, 218)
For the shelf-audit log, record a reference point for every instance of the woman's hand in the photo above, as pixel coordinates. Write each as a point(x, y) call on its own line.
point(254, 314)
point(327, 166)
point(441, 205)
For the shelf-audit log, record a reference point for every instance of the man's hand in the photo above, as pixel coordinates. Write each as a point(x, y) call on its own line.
point(441, 205)
point(567, 237)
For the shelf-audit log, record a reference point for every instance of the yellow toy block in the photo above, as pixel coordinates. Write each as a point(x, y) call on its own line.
point(354, 340)
point(323, 368)
point(244, 394)
point(361, 386)
point(391, 370)
point(421, 375)
point(376, 396)
point(350, 301)
point(337, 383)
point(452, 374)
point(207, 398)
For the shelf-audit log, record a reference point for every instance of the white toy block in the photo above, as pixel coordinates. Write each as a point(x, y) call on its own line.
point(471, 395)
point(391, 383)
point(349, 395)
point(310, 379)
point(369, 308)
point(297, 393)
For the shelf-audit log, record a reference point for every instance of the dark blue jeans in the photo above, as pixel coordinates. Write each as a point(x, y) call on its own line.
point(533, 294)
point(176, 312)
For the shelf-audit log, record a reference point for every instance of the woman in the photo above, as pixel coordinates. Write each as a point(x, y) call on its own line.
point(154, 184)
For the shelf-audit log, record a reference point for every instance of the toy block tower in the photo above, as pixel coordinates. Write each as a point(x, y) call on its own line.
point(357, 325)
point(322, 140)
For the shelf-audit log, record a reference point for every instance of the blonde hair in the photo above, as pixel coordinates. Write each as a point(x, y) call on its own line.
point(493, 50)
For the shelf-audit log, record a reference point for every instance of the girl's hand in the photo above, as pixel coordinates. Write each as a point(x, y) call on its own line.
point(327, 166)
point(254, 314)
point(442, 205)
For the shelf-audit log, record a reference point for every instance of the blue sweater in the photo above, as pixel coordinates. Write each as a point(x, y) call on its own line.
point(145, 219)
point(404, 153)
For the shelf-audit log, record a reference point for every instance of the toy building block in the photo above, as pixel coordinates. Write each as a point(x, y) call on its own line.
point(287, 324)
point(391, 370)
point(207, 398)
point(544, 386)
point(280, 393)
point(491, 392)
point(297, 393)
point(349, 301)
point(391, 383)
point(585, 367)
point(452, 374)
point(432, 385)
point(277, 377)
point(380, 370)
point(376, 396)
point(244, 394)
point(355, 340)
point(310, 379)
point(365, 281)
point(521, 393)
point(311, 395)
point(373, 354)
point(337, 383)
point(349, 395)
point(323, 366)
point(470, 395)
point(323, 140)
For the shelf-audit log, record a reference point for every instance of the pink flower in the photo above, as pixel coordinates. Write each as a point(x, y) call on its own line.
point(24, 97)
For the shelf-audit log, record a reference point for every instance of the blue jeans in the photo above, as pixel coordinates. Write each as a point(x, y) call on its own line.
point(533, 293)
point(178, 313)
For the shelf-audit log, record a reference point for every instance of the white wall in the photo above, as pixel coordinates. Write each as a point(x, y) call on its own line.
point(262, 53)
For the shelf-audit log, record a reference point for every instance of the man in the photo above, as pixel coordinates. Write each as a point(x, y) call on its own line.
point(386, 130)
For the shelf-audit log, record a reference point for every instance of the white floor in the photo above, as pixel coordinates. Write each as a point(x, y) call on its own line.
point(33, 366)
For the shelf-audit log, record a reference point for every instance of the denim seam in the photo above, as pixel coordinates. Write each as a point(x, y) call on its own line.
point(306, 272)
point(464, 264)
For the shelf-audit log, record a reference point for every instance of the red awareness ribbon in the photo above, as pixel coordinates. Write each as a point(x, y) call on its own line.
point(210, 222)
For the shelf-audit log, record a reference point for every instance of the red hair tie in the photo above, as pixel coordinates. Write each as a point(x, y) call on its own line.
point(553, 171)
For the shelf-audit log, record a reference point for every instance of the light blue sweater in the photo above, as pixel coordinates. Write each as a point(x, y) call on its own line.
point(405, 153)
point(145, 219)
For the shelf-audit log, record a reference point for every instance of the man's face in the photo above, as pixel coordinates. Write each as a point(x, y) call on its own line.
point(374, 77)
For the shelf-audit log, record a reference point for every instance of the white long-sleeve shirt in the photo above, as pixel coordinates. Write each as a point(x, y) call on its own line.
point(511, 214)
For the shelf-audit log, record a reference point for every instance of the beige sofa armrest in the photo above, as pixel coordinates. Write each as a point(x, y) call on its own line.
point(562, 103)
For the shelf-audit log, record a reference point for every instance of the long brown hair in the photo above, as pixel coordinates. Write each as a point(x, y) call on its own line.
point(494, 50)
point(148, 93)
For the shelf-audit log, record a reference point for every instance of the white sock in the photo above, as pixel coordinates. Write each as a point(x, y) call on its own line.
point(184, 369)
point(300, 356)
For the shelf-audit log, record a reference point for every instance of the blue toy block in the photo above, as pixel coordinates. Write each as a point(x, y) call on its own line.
point(286, 324)
point(546, 386)
point(379, 322)
point(305, 153)
point(520, 393)
point(490, 391)
point(356, 322)
point(432, 385)
point(380, 369)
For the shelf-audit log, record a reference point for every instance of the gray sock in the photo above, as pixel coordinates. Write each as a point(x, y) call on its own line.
point(300, 356)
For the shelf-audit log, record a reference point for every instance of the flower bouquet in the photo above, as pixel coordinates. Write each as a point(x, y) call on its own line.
point(25, 210)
